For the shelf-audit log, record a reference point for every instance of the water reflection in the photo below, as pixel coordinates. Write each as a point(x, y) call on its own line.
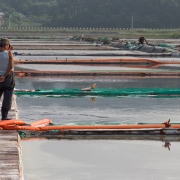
point(93, 100)
point(100, 159)
point(49, 156)
point(48, 136)
point(167, 145)
point(102, 82)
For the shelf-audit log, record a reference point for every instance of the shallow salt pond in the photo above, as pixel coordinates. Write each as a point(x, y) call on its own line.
point(98, 109)
point(100, 159)
point(96, 159)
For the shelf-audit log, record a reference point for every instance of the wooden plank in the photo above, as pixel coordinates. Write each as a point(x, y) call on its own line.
point(10, 151)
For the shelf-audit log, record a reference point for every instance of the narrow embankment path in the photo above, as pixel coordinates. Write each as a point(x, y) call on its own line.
point(10, 151)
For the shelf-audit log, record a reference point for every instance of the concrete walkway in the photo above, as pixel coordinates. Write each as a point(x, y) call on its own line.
point(10, 151)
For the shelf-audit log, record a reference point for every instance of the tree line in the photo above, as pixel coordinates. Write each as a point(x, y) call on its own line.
point(93, 13)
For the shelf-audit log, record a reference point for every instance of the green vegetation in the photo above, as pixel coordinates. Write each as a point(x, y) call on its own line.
point(89, 35)
point(93, 13)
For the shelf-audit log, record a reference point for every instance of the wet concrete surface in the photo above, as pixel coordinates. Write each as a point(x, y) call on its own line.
point(9, 156)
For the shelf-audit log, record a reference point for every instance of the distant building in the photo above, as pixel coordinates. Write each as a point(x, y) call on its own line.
point(1, 18)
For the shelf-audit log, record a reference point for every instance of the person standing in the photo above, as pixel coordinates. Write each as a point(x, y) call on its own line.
point(142, 39)
point(7, 80)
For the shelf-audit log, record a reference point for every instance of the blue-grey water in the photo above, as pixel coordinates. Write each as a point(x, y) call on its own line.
point(97, 159)
point(100, 159)
point(98, 109)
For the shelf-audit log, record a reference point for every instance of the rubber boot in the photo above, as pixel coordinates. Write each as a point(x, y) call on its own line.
point(4, 114)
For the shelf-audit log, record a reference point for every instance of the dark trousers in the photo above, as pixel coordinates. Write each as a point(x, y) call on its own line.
point(7, 87)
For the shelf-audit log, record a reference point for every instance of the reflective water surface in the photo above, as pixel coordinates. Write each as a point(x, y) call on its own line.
point(100, 159)
point(94, 159)
point(98, 109)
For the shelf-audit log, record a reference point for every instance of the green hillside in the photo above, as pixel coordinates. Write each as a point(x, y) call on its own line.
point(92, 13)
